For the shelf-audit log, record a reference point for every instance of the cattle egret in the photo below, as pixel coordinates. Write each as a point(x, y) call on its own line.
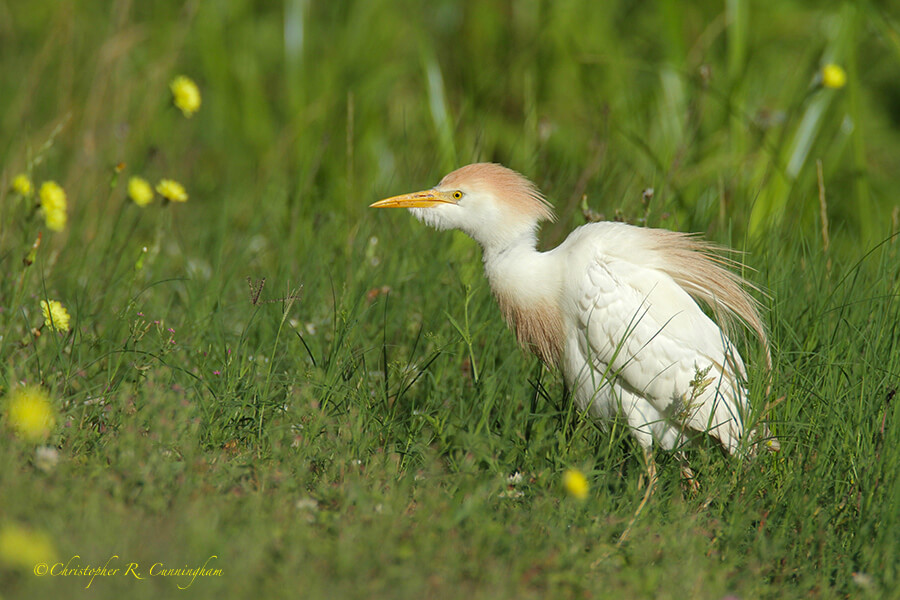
point(614, 308)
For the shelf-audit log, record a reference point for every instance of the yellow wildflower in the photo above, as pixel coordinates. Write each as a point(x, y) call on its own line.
point(833, 76)
point(55, 315)
point(53, 203)
point(29, 413)
point(171, 190)
point(576, 484)
point(22, 185)
point(56, 220)
point(22, 548)
point(186, 95)
point(140, 191)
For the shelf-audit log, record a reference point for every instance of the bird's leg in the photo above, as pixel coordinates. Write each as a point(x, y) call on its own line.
point(651, 486)
point(687, 474)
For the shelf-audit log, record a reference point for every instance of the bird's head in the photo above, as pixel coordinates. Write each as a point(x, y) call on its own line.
point(492, 204)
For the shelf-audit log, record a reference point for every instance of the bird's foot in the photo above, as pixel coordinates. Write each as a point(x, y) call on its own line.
point(689, 479)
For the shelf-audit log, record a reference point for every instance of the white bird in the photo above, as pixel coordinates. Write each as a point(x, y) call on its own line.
point(614, 308)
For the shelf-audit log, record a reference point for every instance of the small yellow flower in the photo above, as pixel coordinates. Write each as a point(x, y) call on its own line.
point(22, 185)
point(22, 548)
point(576, 484)
point(171, 190)
point(833, 76)
point(29, 413)
point(186, 95)
point(55, 315)
point(54, 204)
point(140, 191)
point(56, 219)
point(52, 196)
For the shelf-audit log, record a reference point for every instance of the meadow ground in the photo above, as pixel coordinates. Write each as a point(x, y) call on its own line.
point(315, 400)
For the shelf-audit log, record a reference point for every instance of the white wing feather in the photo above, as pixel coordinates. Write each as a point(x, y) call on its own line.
point(667, 366)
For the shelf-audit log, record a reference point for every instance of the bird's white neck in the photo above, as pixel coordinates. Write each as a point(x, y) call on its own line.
point(527, 286)
point(512, 263)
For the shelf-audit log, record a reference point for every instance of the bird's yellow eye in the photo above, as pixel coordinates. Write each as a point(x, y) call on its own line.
point(457, 195)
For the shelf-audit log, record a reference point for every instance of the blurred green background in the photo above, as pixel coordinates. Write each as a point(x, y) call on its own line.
point(326, 105)
point(330, 439)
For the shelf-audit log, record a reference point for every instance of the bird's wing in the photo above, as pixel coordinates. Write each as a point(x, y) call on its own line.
point(643, 329)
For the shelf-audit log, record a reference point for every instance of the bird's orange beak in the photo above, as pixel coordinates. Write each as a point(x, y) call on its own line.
point(424, 199)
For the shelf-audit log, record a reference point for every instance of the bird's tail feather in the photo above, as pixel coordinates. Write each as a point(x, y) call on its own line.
point(705, 272)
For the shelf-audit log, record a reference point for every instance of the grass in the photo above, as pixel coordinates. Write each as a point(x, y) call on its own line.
point(348, 427)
